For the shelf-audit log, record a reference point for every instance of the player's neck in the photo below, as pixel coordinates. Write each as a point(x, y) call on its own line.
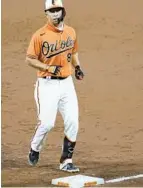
point(60, 26)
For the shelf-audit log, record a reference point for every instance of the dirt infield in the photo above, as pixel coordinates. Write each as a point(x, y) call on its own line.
point(110, 141)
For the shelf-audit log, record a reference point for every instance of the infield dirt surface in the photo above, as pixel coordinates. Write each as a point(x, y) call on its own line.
point(110, 140)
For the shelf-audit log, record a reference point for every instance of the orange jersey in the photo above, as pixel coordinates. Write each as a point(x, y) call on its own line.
point(53, 47)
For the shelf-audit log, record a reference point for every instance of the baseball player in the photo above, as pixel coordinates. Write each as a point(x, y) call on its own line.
point(53, 52)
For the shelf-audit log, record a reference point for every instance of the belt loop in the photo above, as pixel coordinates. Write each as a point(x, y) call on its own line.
point(48, 77)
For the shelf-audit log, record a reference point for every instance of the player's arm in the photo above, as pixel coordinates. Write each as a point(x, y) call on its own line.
point(76, 64)
point(33, 53)
point(75, 60)
point(35, 63)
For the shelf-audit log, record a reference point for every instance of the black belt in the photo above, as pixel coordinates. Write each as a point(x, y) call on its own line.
point(54, 77)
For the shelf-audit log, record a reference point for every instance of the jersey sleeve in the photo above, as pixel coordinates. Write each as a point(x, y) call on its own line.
point(75, 47)
point(34, 48)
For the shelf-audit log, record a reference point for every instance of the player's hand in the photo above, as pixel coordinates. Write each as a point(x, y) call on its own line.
point(78, 73)
point(53, 69)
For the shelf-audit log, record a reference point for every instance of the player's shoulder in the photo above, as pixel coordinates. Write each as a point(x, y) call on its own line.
point(70, 29)
point(40, 32)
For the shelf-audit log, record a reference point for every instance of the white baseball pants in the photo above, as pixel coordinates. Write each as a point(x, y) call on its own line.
point(53, 95)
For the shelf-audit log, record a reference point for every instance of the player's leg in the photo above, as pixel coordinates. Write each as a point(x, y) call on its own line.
point(46, 96)
point(68, 107)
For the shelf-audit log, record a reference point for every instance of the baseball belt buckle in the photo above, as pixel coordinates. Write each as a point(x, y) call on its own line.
point(58, 77)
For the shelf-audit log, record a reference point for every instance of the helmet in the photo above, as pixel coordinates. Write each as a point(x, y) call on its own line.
point(49, 4)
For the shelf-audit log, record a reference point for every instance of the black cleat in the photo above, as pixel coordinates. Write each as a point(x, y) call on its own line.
point(33, 157)
point(68, 167)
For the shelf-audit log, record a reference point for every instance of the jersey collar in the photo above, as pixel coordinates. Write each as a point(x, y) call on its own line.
point(53, 28)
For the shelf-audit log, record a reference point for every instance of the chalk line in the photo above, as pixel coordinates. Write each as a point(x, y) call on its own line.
point(124, 178)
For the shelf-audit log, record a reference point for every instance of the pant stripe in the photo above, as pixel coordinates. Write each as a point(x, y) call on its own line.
point(38, 107)
point(38, 100)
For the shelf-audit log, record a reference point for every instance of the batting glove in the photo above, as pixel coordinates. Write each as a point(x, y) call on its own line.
point(54, 69)
point(78, 73)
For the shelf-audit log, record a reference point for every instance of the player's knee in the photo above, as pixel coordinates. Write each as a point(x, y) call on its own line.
point(48, 126)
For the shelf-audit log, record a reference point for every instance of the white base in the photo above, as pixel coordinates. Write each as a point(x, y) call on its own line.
point(78, 181)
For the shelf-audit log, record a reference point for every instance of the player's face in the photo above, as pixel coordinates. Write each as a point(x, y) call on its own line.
point(54, 15)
